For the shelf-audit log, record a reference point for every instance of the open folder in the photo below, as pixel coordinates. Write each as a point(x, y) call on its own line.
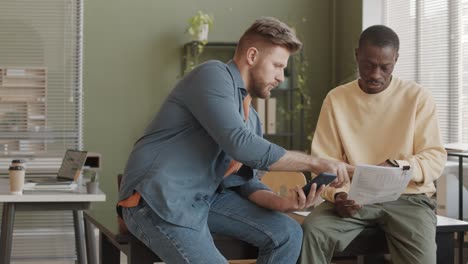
point(378, 184)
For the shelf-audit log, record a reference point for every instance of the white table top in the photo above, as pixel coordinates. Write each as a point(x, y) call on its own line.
point(78, 195)
point(446, 221)
point(441, 220)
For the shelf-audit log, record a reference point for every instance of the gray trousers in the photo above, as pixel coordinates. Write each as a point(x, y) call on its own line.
point(409, 224)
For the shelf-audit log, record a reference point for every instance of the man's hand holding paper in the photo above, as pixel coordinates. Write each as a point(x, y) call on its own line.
point(345, 207)
point(378, 184)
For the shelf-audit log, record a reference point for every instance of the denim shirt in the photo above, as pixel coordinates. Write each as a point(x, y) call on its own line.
point(180, 161)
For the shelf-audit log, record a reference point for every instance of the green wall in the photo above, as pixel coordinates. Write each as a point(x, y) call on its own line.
point(132, 57)
point(348, 27)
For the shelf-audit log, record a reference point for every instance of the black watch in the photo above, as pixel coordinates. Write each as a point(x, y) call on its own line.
point(392, 162)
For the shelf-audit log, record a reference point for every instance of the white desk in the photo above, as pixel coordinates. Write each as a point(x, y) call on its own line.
point(76, 201)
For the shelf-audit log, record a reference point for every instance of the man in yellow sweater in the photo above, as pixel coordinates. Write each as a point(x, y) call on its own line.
point(369, 121)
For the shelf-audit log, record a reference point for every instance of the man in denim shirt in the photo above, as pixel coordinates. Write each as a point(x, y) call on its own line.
point(193, 171)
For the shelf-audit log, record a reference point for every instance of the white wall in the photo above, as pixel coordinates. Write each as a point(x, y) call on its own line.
point(372, 13)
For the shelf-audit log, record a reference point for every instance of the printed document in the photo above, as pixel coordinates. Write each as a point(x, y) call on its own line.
point(378, 184)
point(49, 186)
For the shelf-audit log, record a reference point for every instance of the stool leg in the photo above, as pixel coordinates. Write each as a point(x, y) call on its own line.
point(139, 253)
point(109, 253)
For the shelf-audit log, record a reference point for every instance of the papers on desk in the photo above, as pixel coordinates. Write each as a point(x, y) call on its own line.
point(31, 186)
point(456, 147)
point(302, 213)
point(378, 184)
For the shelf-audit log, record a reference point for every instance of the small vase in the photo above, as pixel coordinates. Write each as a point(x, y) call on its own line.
point(92, 187)
point(203, 33)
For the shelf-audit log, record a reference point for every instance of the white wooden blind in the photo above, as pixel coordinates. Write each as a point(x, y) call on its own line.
point(433, 53)
point(40, 78)
point(43, 236)
point(464, 93)
point(40, 110)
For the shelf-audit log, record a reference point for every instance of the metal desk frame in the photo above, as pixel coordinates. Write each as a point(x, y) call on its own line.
point(75, 201)
point(9, 209)
point(461, 235)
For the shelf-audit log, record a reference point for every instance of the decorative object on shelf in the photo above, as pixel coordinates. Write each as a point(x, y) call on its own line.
point(92, 185)
point(198, 27)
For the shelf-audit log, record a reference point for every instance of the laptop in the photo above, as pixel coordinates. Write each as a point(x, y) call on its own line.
point(69, 171)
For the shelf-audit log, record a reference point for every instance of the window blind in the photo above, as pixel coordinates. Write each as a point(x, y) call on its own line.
point(464, 93)
point(40, 79)
point(433, 53)
point(40, 110)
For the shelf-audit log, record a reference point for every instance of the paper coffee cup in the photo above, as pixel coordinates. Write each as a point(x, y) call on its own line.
point(18, 162)
point(16, 179)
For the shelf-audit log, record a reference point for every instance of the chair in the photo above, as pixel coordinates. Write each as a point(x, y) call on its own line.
point(281, 181)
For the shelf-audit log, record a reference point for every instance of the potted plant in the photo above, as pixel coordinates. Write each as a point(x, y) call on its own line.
point(199, 25)
point(92, 185)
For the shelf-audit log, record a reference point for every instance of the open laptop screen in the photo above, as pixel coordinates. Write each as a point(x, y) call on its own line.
point(72, 164)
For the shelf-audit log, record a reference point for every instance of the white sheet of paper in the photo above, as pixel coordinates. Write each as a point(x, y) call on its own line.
point(32, 186)
point(303, 213)
point(378, 184)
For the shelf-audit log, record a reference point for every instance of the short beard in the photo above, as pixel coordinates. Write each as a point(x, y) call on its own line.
point(257, 88)
point(258, 91)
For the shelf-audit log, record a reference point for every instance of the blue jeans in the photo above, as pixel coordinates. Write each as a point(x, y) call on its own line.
point(277, 236)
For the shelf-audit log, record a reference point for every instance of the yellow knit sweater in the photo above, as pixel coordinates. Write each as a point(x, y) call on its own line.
point(398, 123)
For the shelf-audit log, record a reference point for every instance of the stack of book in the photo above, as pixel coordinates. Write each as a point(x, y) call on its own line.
point(266, 110)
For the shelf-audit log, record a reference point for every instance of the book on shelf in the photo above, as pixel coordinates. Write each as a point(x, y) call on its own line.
point(259, 105)
point(37, 117)
point(15, 72)
point(271, 116)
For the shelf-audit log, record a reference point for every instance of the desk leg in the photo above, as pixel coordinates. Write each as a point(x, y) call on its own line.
point(461, 236)
point(460, 208)
point(90, 242)
point(6, 240)
point(79, 235)
point(445, 248)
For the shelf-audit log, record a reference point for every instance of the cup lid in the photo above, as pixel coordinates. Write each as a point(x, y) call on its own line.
point(16, 168)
